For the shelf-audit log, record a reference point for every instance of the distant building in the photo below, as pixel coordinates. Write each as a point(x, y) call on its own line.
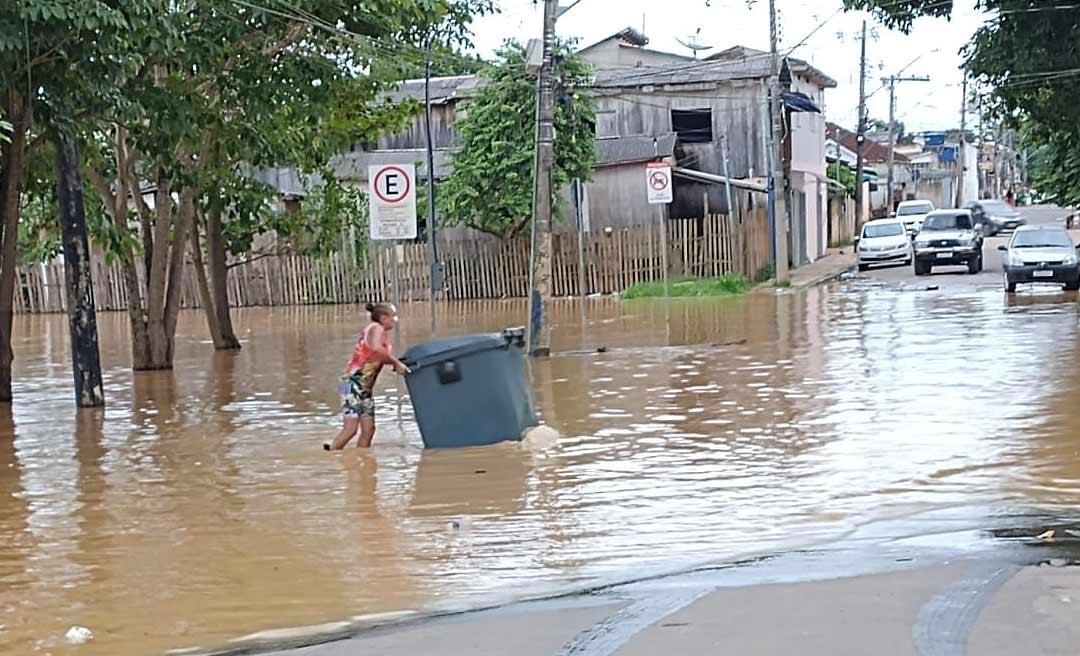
point(723, 97)
point(657, 105)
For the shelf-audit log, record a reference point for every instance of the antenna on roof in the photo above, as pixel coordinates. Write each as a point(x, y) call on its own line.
point(695, 43)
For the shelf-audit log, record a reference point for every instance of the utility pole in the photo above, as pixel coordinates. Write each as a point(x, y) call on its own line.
point(776, 172)
point(891, 81)
point(889, 200)
point(82, 316)
point(960, 155)
point(540, 292)
point(433, 256)
point(860, 137)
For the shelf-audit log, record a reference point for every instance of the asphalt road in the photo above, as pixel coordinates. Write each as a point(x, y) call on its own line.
point(958, 277)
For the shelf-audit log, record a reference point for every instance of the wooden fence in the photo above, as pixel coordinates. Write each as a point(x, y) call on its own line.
point(478, 269)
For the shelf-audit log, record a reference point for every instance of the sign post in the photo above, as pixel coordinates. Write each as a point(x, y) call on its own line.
point(392, 197)
point(658, 188)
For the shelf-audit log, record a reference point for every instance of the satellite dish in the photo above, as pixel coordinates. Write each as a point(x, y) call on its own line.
point(694, 43)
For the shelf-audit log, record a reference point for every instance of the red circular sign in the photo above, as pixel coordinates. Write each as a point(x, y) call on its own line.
point(659, 181)
point(388, 195)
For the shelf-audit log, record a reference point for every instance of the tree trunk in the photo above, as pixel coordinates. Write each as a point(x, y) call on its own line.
point(219, 277)
point(205, 298)
point(82, 318)
point(12, 175)
point(157, 283)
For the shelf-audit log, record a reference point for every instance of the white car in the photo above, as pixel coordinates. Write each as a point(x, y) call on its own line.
point(913, 213)
point(884, 241)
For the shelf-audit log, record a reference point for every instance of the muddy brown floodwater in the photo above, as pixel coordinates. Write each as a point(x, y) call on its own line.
point(199, 507)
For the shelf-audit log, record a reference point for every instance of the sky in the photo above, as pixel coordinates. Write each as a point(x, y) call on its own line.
point(834, 48)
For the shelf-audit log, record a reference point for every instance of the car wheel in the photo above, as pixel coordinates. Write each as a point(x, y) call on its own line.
point(1010, 287)
point(1072, 286)
point(973, 266)
point(921, 268)
point(907, 262)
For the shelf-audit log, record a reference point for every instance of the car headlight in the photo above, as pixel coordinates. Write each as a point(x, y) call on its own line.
point(967, 242)
point(1015, 259)
point(1069, 260)
point(922, 243)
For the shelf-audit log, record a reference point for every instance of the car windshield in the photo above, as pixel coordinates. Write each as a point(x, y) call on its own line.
point(947, 222)
point(871, 230)
point(920, 208)
point(1042, 239)
point(998, 207)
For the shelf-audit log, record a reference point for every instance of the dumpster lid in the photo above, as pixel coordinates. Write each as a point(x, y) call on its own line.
point(455, 347)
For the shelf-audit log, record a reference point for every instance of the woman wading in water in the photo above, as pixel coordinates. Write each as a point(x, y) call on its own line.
point(357, 386)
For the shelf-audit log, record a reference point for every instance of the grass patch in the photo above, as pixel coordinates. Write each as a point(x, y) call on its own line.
point(728, 285)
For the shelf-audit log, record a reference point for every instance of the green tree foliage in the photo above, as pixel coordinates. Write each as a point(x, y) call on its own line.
point(491, 186)
point(902, 135)
point(1054, 167)
point(235, 88)
point(1026, 54)
point(60, 61)
point(847, 177)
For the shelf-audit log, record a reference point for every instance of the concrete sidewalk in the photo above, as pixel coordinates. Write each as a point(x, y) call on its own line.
point(835, 262)
point(887, 604)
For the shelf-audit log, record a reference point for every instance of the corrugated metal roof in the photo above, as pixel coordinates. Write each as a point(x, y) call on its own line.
point(354, 166)
point(443, 89)
point(287, 181)
point(753, 66)
point(624, 150)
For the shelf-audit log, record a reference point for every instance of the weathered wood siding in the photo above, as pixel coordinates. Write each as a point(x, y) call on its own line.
point(738, 113)
point(414, 136)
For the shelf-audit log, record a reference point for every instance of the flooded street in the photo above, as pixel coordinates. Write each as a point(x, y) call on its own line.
point(200, 508)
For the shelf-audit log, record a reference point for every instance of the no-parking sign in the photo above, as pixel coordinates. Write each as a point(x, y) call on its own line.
point(392, 194)
point(658, 182)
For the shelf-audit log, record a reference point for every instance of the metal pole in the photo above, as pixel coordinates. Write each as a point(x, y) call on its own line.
point(664, 264)
point(435, 273)
point(860, 137)
point(540, 293)
point(396, 290)
point(779, 203)
point(579, 188)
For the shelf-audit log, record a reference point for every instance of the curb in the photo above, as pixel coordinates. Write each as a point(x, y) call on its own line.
point(825, 277)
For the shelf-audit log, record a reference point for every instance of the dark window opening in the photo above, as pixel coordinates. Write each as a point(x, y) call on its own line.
point(692, 125)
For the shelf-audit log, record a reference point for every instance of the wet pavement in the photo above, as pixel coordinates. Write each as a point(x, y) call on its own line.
point(199, 507)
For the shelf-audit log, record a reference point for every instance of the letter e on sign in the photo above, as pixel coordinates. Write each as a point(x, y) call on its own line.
point(658, 182)
point(392, 197)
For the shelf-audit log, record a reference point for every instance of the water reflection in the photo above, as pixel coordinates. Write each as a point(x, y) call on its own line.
point(200, 507)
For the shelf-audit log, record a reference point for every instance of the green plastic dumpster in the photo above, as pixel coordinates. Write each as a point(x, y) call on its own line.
point(472, 390)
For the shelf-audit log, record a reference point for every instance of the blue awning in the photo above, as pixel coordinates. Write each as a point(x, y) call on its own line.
point(799, 102)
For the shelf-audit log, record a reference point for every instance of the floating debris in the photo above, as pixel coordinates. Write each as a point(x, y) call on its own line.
point(79, 635)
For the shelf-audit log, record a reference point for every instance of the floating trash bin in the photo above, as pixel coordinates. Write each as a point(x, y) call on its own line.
point(472, 390)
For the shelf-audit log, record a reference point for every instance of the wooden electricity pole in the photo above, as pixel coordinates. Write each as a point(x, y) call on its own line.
point(541, 292)
point(778, 181)
point(860, 138)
